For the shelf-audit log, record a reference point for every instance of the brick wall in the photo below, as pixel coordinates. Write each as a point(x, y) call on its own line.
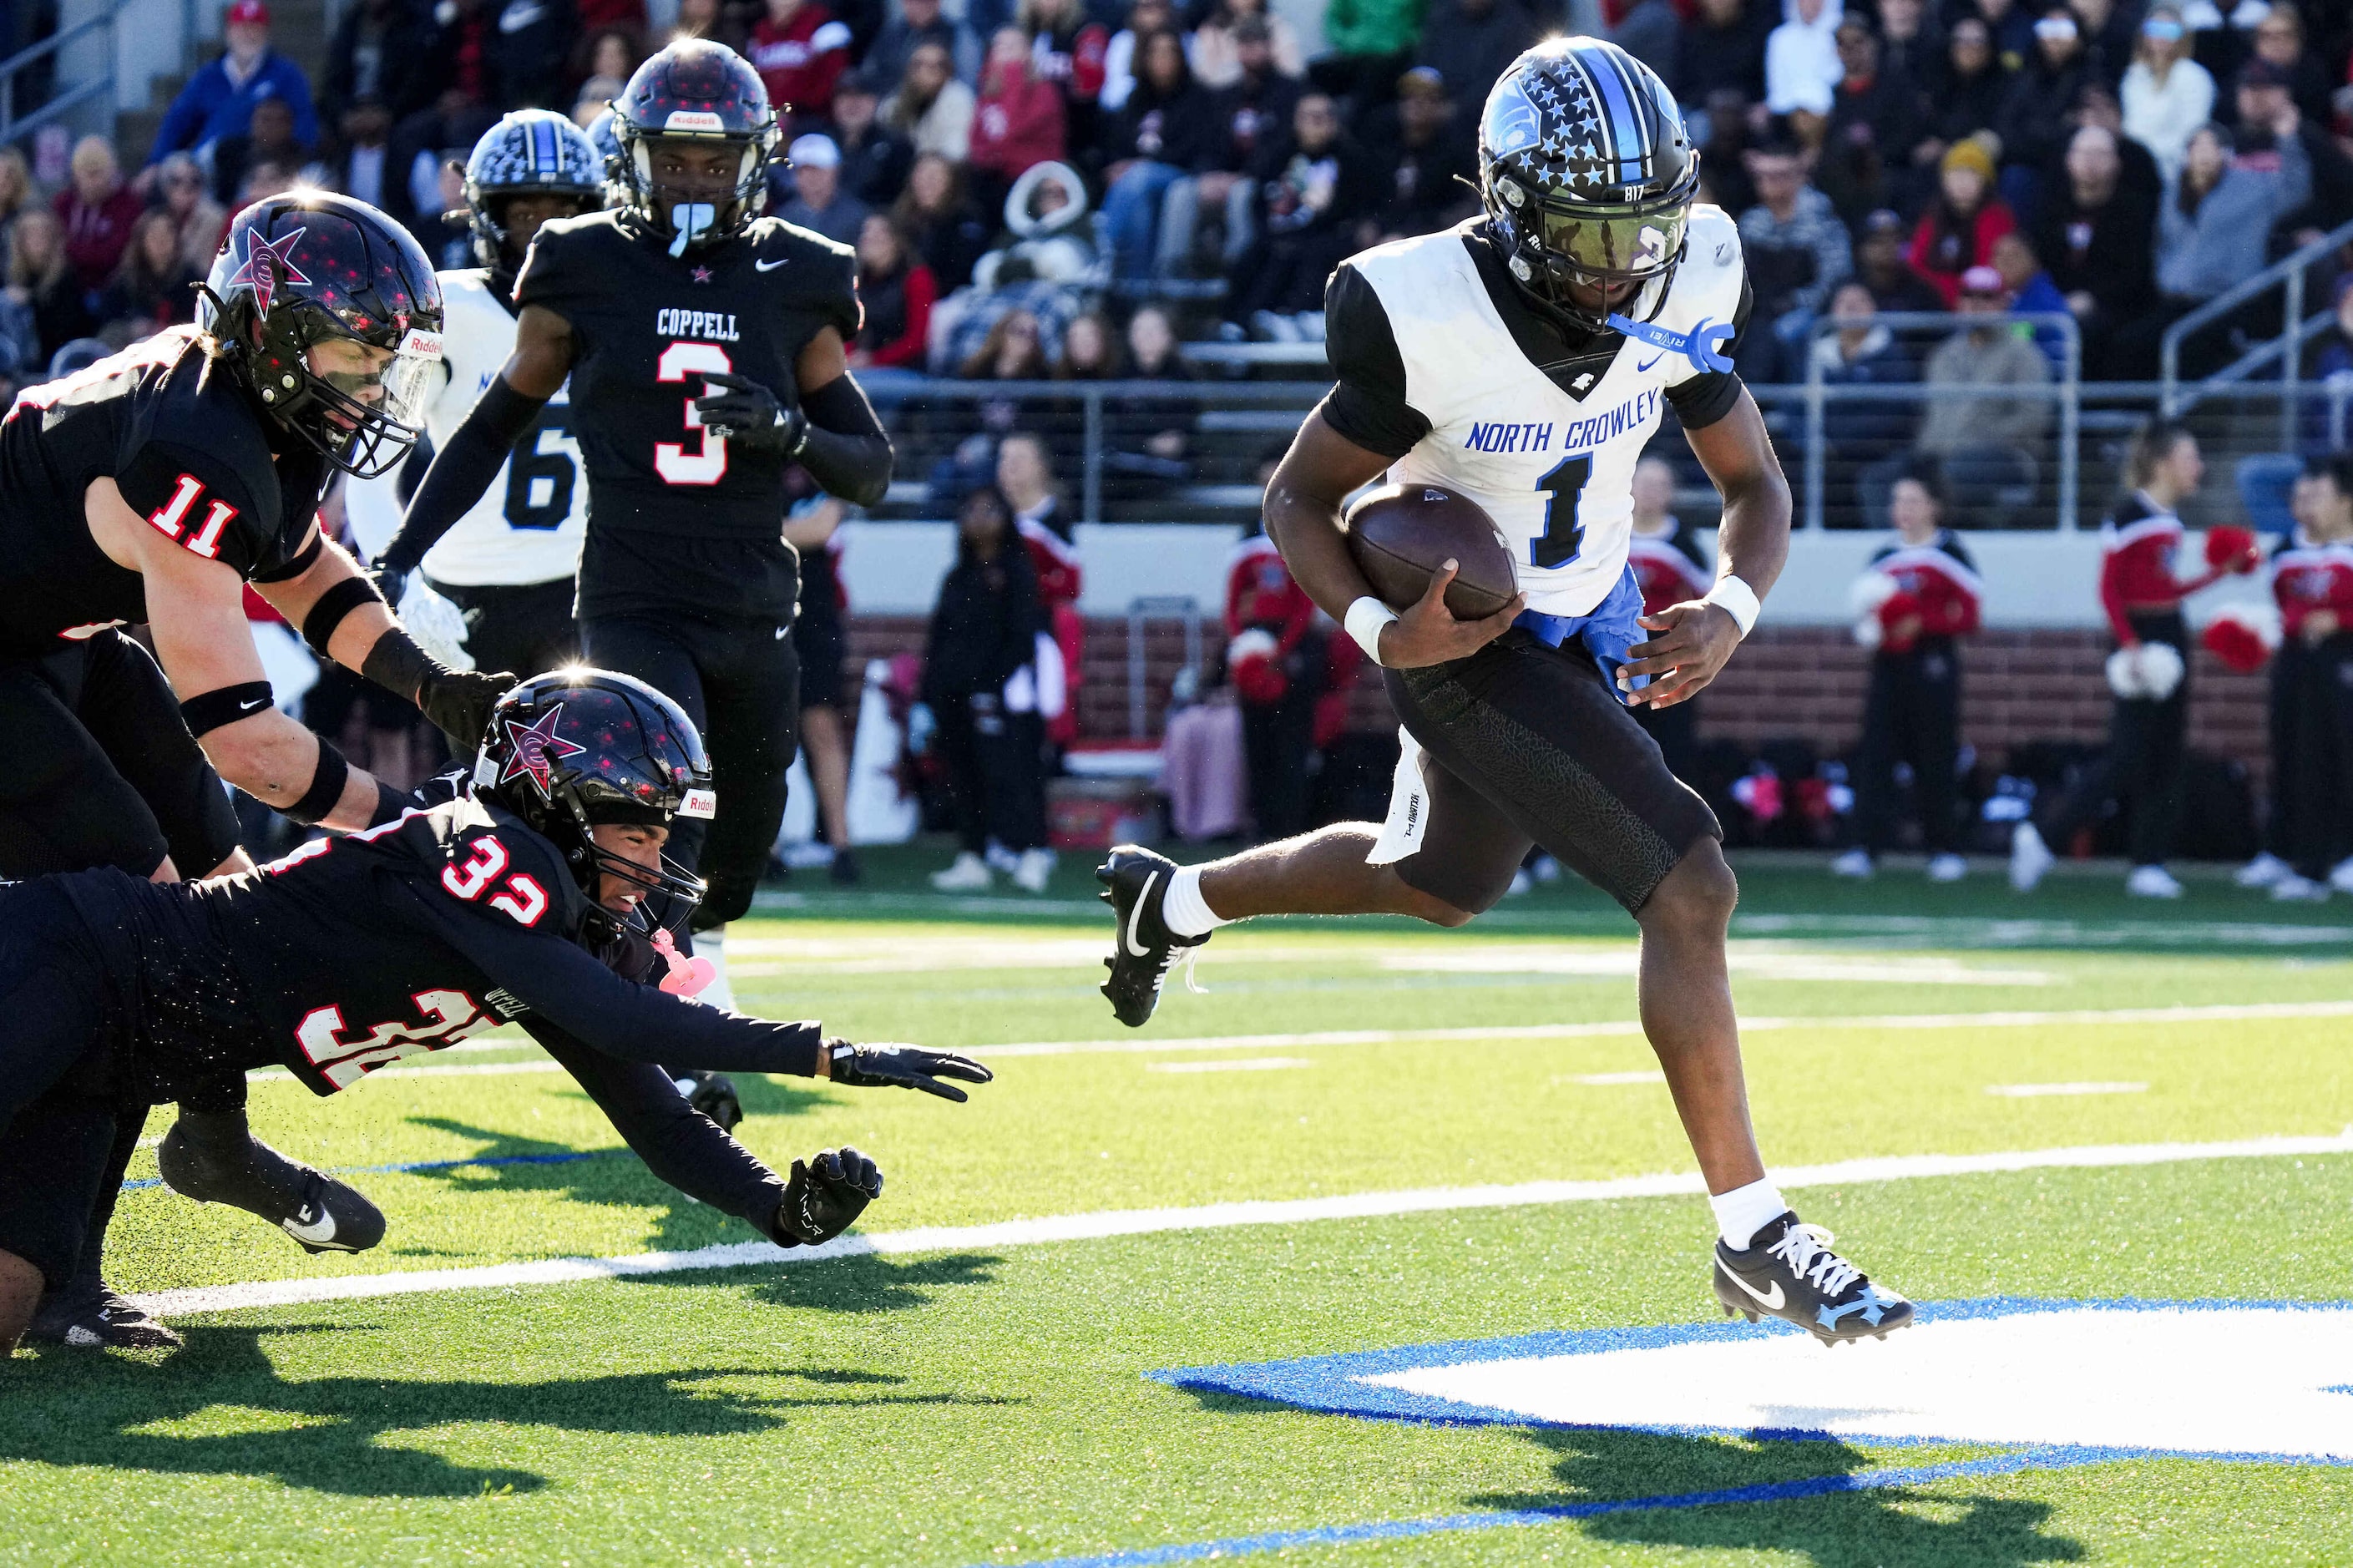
point(2017, 686)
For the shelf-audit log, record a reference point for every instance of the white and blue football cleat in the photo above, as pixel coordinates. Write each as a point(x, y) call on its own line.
point(1788, 1271)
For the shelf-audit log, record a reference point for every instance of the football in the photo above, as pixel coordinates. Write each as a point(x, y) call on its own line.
point(1400, 534)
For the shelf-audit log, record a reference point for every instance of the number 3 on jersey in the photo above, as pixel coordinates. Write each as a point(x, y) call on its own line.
point(707, 463)
point(1563, 535)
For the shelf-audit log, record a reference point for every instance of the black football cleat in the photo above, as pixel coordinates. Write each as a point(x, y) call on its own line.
point(1788, 1271)
point(215, 1159)
point(89, 1315)
point(1135, 881)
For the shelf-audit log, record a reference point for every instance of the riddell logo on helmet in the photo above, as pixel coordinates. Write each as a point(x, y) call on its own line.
point(702, 803)
point(422, 343)
point(693, 120)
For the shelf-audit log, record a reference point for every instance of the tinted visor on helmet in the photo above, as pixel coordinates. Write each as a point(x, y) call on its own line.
point(372, 403)
point(1605, 246)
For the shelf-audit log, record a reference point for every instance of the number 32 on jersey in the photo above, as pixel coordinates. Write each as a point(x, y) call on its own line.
point(706, 462)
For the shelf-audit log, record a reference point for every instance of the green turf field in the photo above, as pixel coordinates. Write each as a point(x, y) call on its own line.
point(986, 1396)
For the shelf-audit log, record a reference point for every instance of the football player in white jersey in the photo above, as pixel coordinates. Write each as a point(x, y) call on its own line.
point(508, 565)
point(1523, 359)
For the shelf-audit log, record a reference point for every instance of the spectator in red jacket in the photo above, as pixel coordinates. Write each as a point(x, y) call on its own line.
point(2148, 730)
point(97, 210)
point(1275, 658)
point(898, 292)
point(1920, 593)
point(1958, 230)
point(800, 50)
point(1048, 530)
point(1018, 121)
point(1672, 565)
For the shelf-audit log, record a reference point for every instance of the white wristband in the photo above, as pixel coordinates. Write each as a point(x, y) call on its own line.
point(1366, 617)
point(1736, 599)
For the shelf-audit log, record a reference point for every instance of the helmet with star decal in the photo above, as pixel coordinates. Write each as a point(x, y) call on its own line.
point(576, 747)
point(329, 314)
point(1588, 177)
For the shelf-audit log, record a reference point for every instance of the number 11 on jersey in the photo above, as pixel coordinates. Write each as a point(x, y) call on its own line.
point(1562, 535)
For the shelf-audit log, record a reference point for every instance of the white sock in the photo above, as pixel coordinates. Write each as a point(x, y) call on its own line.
point(1181, 908)
point(713, 945)
point(1741, 1213)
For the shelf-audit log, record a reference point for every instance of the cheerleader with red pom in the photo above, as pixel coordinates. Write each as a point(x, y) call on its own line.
point(2147, 671)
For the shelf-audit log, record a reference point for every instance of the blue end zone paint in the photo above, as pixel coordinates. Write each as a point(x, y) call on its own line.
point(414, 1165)
point(1331, 1383)
point(1520, 1518)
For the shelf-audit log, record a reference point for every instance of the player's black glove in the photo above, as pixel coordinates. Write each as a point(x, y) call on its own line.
point(458, 702)
point(713, 1094)
point(826, 1194)
point(392, 582)
point(751, 416)
point(902, 1067)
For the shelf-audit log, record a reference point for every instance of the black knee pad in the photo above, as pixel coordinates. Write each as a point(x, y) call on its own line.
point(213, 1158)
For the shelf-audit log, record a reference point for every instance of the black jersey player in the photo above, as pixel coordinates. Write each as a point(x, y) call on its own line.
point(153, 485)
point(704, 346)
point(515, 902)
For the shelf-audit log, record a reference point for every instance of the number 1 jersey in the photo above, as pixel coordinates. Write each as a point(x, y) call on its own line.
point(677, 518)
point(1444, 367)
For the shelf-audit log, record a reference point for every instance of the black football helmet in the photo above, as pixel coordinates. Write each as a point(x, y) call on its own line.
point(574, 747)
point(1588, 178)
point(531, 152)
point(309, 270)
point(702, 94)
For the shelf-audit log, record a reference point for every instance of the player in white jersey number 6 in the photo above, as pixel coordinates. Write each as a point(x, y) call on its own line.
point(1522, 359)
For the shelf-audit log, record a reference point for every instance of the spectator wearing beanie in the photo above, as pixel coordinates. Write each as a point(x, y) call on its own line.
point(1920, 594)
point(1959, 227)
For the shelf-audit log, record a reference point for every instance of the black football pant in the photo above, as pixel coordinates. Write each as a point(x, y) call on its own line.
point(526, 628)
point(739, 682)
point(1522, 744)
point(101, 771)
point(1911, 714)
point(2285, 723)
point(996, 771)
point(2319, 793)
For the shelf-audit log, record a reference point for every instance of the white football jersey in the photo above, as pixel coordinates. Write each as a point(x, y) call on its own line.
point(528, 524)
point(1553, 467)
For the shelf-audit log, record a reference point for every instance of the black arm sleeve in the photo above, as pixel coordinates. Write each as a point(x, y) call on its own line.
point(1704, 399)
point(678, 1142)
point(563, 985)
point(463, 471)
point(847, 452)
point(1369, 404)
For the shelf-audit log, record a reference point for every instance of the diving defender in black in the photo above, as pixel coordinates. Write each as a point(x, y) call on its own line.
point(704, 345)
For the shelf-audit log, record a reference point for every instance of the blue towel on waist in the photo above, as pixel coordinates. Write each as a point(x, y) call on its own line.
point(1607, 630)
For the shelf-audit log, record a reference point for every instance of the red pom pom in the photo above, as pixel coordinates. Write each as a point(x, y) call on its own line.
point(2236, 644)
point(2229, 545)
point(1260, 680)
point(1893, 611)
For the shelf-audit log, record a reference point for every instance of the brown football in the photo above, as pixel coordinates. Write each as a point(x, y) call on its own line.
point(1401, 534)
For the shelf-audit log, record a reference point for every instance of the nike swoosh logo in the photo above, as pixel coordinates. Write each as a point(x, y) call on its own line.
point(253, 705)
point(321, 1231)
point(1772, 1303)
point(1647, 364)
point(770, 265)
point(1135, 914)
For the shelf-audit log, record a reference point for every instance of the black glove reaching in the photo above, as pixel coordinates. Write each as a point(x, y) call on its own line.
point(458, 701)
point(826, 1194)
point(902, 1067)
point(751, 416)
point(392, 582)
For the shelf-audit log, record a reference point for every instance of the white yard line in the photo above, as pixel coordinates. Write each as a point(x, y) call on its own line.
point(2042, 1090)
point(1212, 1216)
point(1133, 1044)
point(1232, 1064)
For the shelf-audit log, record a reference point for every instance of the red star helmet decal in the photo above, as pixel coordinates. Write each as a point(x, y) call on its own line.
point(268, 263)
point(537, 749)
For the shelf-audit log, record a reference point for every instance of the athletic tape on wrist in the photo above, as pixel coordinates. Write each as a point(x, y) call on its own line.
point(209, 711)
point(1365, 618)
point(331, 606)
point(326, 787)
point(1739, 600)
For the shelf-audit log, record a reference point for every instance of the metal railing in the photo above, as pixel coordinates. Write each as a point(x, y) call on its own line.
point(2065, 391)
point(65, 97)
point(2295, 329)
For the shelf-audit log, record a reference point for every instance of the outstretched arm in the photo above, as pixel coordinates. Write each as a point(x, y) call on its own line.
point(1695, 638)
